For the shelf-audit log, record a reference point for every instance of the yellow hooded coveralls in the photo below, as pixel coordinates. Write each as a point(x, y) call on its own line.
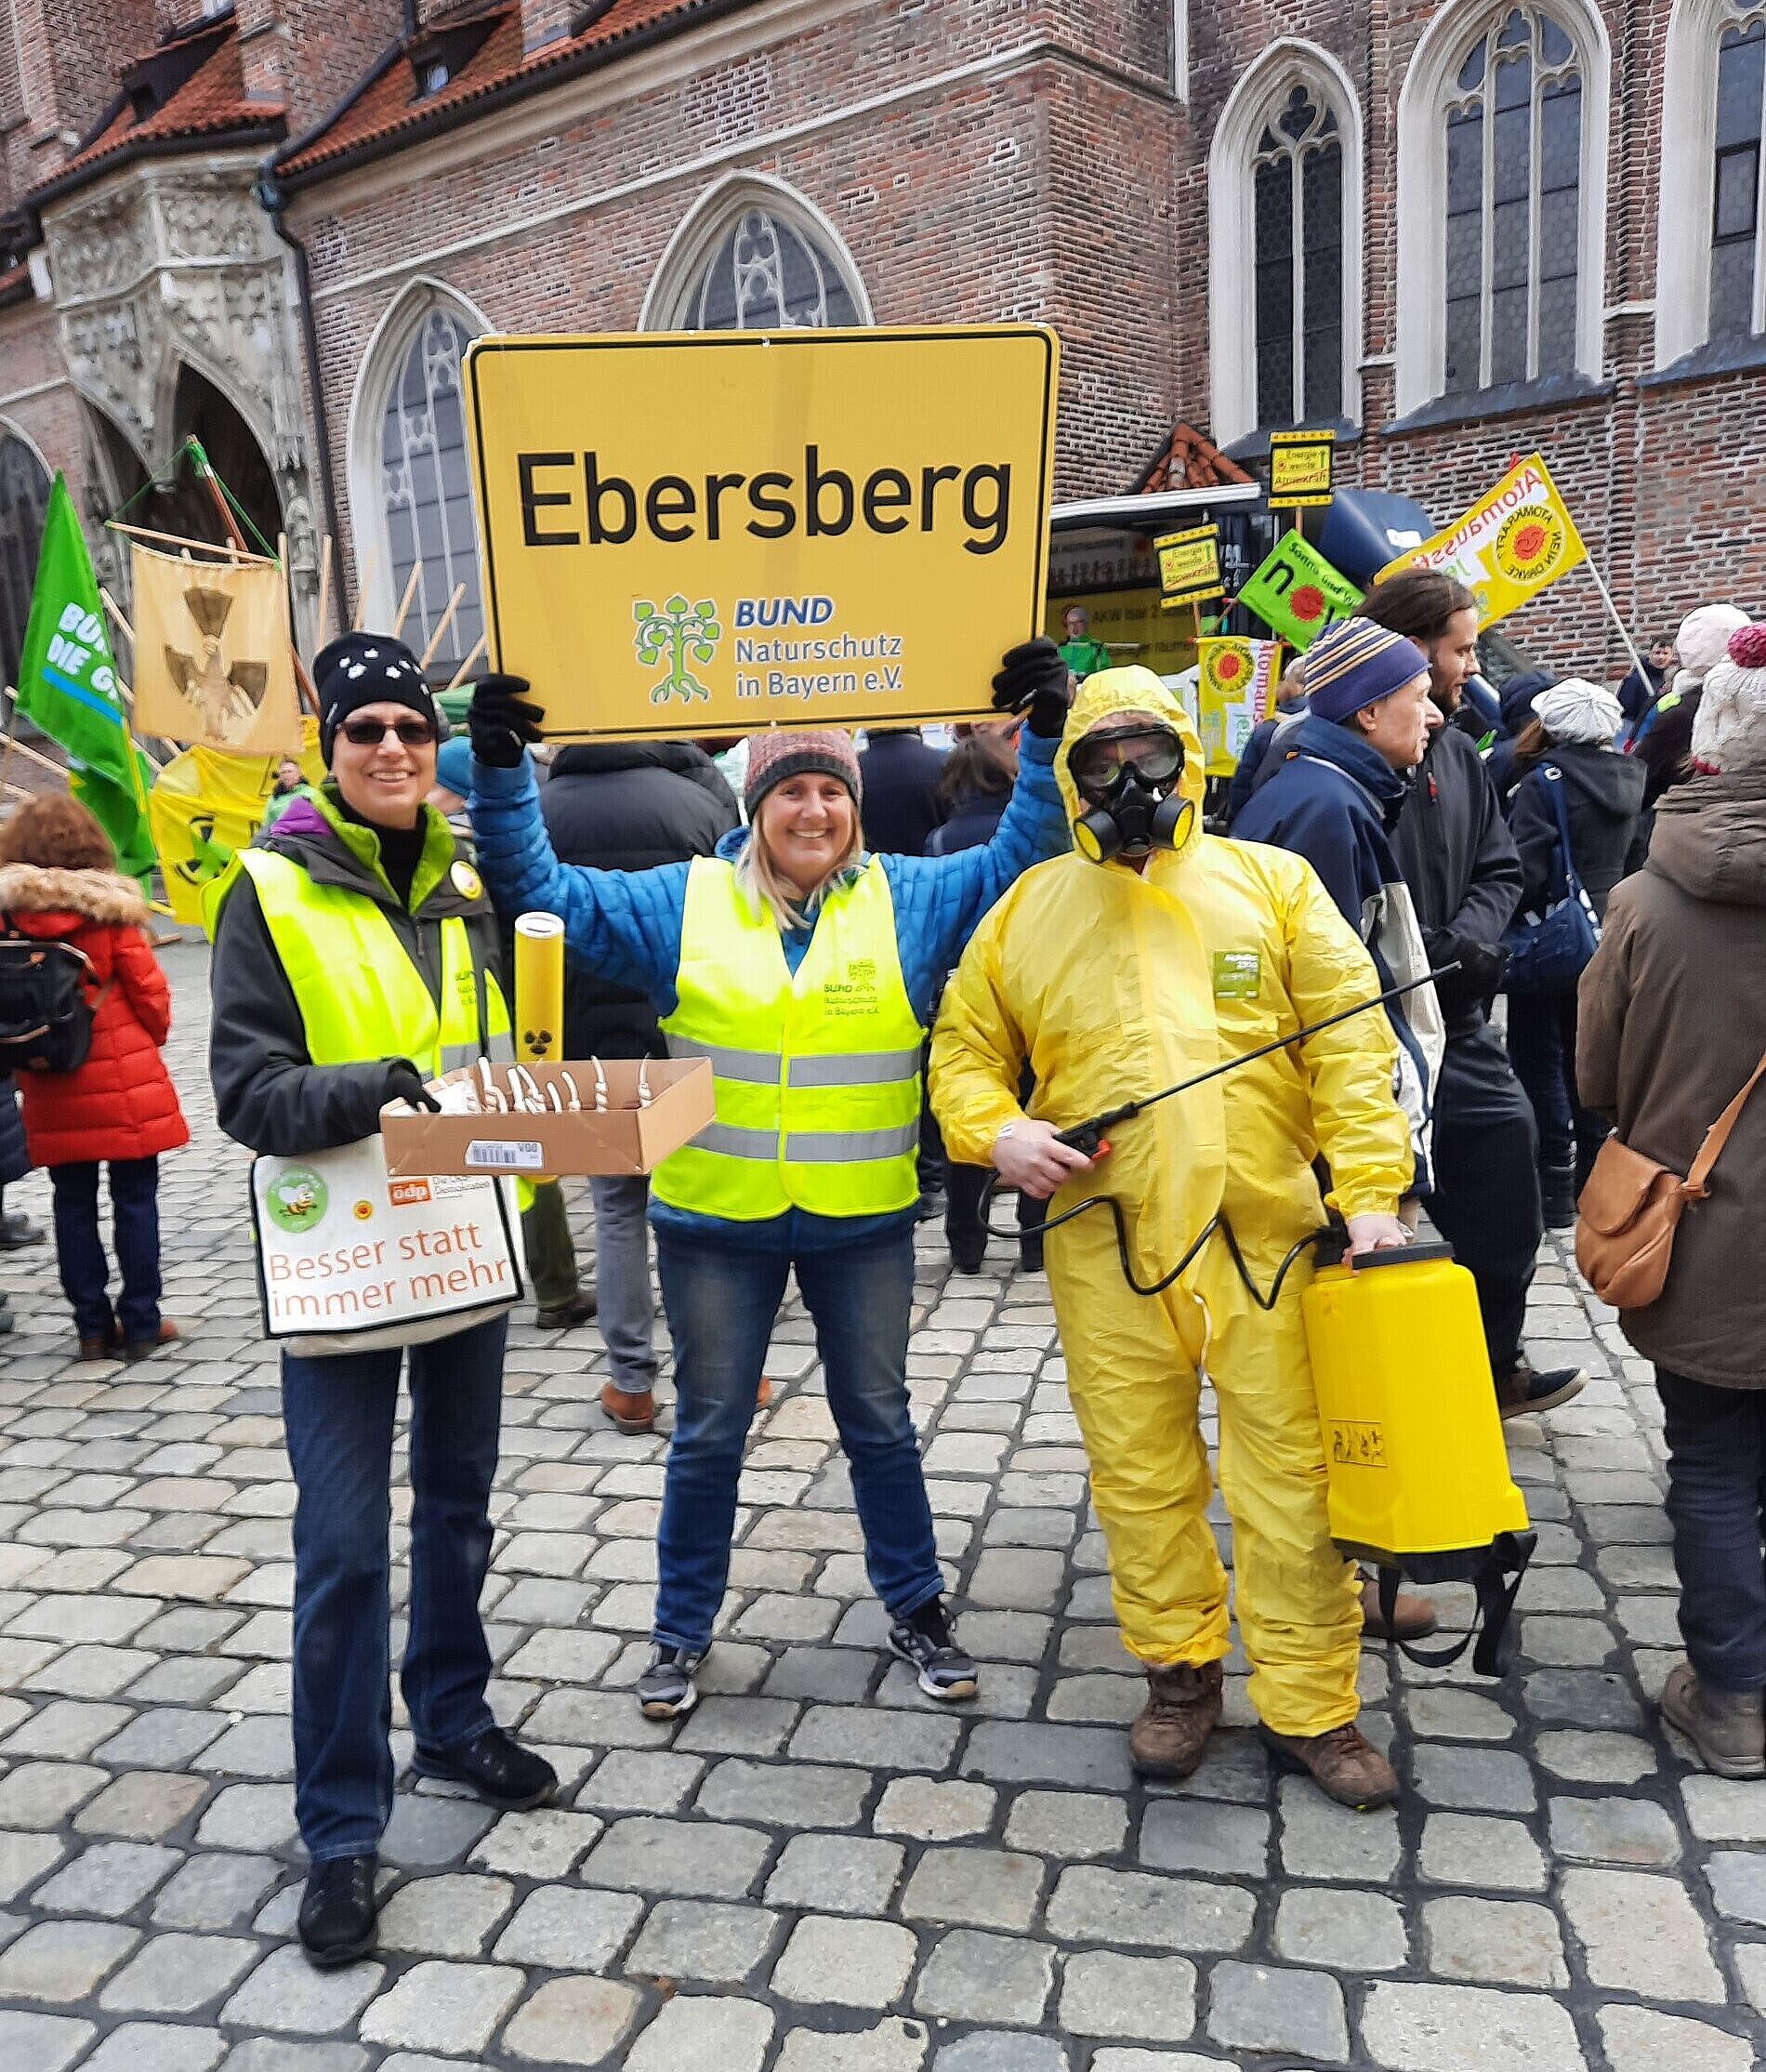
point(1114, 984)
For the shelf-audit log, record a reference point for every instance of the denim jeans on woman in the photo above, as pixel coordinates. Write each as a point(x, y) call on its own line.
point(338, 1414)
point(1717, 1504)
point(79, 1248)
point(722, 1302)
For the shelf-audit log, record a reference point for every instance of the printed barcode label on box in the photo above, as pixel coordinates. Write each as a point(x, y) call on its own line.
point(513, 1156)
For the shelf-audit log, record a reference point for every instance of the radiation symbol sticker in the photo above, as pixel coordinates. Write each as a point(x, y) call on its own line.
point(1531, 543)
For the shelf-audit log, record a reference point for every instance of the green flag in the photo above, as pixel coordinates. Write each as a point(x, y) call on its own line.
point(1296, 593)
point(67, 685)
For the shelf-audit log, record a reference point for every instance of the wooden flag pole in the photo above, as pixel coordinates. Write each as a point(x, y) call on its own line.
point(405, 603)
point(364, 576)
point(1606, 599)
point(234, 552)
point(439, 634)
point(325, 592)
point(472, 662)
point(17, 747)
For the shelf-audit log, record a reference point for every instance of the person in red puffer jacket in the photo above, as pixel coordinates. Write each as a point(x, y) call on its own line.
point(59, 882)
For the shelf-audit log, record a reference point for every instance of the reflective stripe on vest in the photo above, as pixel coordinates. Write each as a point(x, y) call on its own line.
point(817, 1074)
point(358, 993)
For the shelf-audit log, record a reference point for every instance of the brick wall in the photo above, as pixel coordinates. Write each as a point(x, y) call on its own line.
point(308, 54)
point(63, 76)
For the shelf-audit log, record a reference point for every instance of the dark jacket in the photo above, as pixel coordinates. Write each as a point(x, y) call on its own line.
point(1516, 699)
point(1671, 1020)
point(1663, 740)
point(1460, 863)
point(268, 1094)
point(1639, 690)
point(624, 805)
point(1330, 797)
point(1254, 764)
point(15, 1160)
point(901, 805)
point(1603, 795)
point(120, 1103)
point(973, 817)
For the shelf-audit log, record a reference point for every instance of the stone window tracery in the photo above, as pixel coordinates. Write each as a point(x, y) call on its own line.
point(426, 490)
point(1298, 206)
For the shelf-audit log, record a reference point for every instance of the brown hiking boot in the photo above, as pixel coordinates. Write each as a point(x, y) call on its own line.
point(632, 1410)
point(1728, 1728)
point(1344, 1764)
point(1413, 1617)
point(1182, 1709)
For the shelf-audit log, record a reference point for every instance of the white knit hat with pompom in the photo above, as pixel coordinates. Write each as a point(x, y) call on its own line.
point(1728, 730)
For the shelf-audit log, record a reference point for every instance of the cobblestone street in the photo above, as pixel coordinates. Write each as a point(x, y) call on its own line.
point(818, 1871)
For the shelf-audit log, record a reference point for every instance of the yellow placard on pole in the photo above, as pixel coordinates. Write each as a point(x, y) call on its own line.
point(1235, 695)
point(1190, 566)
point(716, 531)
point(1513, 543)
point(1302, 467)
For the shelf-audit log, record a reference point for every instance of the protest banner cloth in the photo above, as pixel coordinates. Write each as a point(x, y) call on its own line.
point(1190, 566)
point(1235, 692)
point(1302, 467)
point(214, 658)
point(68, 686)
point(204, 806)
point(719, 531)
point(1296, 593)
point(1508, 546)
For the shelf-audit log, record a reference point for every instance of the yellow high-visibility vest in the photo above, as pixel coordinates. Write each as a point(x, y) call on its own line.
point(358, 993)
point(817, 1073)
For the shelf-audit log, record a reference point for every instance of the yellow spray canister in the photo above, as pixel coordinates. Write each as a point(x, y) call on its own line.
point(1420, 1479)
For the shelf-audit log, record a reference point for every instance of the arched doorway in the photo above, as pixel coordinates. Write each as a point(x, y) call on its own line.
point(25, 501)
point(184, 506)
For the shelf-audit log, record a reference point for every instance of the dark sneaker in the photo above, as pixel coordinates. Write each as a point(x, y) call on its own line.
point(667, 1690)
point(338, 1912)
point(494, 1765)
point(1522, 1389)
point(566, 1316)
point(927, 1641)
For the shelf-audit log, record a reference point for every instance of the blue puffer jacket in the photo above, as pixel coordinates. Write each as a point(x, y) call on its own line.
point(626, 926)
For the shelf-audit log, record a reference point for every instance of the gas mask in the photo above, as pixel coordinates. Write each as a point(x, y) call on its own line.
point(1129, 783)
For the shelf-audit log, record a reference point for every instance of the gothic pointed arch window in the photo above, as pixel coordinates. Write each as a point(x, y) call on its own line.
point(1297, 177)
point(24, 502)
point(1738, 165)
point(755, 257)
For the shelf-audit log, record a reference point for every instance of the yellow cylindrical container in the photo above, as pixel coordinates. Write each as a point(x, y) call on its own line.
point(1418, 1471)
point(539, 986)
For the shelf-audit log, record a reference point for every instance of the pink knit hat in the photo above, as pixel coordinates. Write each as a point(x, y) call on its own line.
point(776, 755)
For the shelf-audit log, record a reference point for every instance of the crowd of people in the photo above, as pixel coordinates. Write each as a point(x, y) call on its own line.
point(912, 974)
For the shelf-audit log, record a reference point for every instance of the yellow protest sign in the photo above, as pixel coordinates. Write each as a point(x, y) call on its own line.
point(716, 531)
point(1508, 546)
point(1235, 692)
point(1302, 464)
point(1190, 566)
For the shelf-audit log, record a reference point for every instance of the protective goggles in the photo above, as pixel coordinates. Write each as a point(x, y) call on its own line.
point(1097, 763)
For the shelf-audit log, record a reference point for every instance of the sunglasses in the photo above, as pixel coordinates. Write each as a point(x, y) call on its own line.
point(370, 733)
point(1097, 764)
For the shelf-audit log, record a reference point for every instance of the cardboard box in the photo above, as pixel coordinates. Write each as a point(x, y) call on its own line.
point(625, 1138)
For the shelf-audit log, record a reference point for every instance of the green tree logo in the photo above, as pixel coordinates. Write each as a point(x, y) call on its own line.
point(680, 633)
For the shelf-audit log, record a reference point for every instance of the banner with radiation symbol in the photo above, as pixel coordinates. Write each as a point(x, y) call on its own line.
point(1508, 546)
point(1236, 693)
point(204, 806)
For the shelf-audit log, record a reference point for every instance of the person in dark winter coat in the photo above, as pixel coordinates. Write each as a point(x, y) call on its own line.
point(625, 805)
point(1569, 744)
point(1459, 861)
point(1671, 1023)
point(1641, 687)
point(901, 774)
point(59, 883)
point(1516, 699)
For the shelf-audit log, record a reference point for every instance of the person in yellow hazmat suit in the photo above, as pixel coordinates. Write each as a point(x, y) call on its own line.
point(1148, 954)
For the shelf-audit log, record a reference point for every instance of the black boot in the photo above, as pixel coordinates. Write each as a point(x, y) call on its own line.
point(338, 1912)
point(1558, 1193)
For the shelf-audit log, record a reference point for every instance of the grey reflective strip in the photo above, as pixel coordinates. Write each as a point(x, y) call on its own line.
point(459, 1057)
point(856, 1068)
point(756, 1067)
point(849, 1147)
point(737, 1144)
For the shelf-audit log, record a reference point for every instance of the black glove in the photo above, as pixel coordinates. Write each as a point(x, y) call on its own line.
point(405, 1082)
point(502, 720)
point(1034, 681)
point(1474, 985)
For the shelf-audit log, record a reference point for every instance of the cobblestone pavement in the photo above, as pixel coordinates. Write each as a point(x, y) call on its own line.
point(817, 1873)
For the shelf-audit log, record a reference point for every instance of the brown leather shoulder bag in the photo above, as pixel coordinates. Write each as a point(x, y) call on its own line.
point(1628, 1213)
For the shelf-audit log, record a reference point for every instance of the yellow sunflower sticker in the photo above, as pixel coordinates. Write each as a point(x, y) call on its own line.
point(1531, 543)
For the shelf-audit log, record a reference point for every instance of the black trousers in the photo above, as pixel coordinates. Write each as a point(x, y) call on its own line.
point(1486, 1200)
point(964, 1231)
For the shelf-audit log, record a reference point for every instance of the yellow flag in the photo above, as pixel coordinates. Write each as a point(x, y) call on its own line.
point(206, 806)
point(1237, 693)
point(1508, 546)
point(213, 660)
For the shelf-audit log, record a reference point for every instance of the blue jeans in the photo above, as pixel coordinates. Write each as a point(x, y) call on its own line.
point(722, 1302)
point(1717, 1505)
point(79, 1248)
point(1542, 1048)
point(622, 1272)
point(338, 1415)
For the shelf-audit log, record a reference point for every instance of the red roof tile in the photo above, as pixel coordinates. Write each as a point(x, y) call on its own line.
point(1190, 460)
point(389, 107)
point(210, 102)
